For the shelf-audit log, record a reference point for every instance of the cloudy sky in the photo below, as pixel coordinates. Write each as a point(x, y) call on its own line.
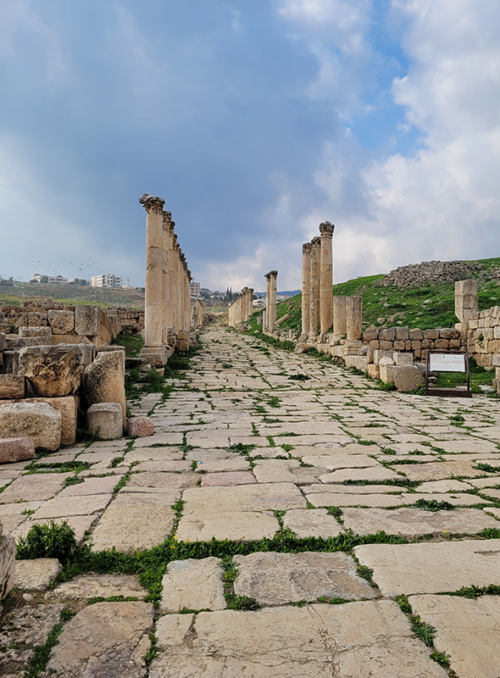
point(255, 120)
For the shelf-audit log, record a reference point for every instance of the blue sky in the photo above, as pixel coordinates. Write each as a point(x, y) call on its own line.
point(255, 120)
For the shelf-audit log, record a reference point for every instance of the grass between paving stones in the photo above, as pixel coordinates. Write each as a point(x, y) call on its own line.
point(41, 653)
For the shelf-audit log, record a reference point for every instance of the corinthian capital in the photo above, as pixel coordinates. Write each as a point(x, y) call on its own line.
point(316, 242)
point(306, 248)
point(152, 203)
point(326, 229)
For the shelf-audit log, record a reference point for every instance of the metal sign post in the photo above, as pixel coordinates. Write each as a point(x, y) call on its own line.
point(447, 362)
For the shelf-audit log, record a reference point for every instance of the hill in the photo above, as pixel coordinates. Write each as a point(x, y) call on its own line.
point(72, 294)
point(426, 303)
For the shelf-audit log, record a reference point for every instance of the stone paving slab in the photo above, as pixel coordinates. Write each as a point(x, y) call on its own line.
point(491, 481)
point(227, 479)
point(152, 454)
point(94, 486)
point(158, 439)
point(371, 500)
point(232, 525)
point(440, 470)
point(105, 639)
point(312, 523)
point(167, 480)
point(432, 568)
point(12, 515)
point(411, 522)
point(36, 574)
point(80, 525)
point(61, 507)
point(218, 465)
point(270, 497)
point(163, 466)
point(103, 585)
point(148, 496)
point(280, 578)
point(353, 489)
point(35, 487)
point(340, 461)
point(467, 631)
point(193, 585)
point(373, 473)
point(445, 486)
point(371, 638)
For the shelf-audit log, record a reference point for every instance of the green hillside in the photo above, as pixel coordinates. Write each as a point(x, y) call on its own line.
point(71, 294)
point(424, 307)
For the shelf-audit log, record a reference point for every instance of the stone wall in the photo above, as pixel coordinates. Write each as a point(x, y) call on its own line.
point(426, 272)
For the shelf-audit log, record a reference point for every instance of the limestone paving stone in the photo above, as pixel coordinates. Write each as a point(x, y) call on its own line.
point(194, 585)
point(227, 479)
point(92, 486)
point(36, 574)
point(415, 522)
point(372, 473)
point(456, 619)
point(312, 523)
point(159, 439)
point(162, 466)
point(16, 449)
point(345, 499)
point(167, 480)
point(275, 470)
point(217, 465)
point(235, 526)
point(440, 470)
point(279, 578)
point(431, 568)
point(35, 487)
point(152, 454)
point(210, 455)
point(83, 505)
point(353, 489)
point(445, 486)
point(12, 515)
point(28, 625)
point(105, 639)
point(339, 461)
point(491, 510)
point(370, 638)
point(266, 497)
point(79, 524)
point(98, 585)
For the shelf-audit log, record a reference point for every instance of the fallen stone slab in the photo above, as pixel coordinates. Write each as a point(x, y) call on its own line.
point(105, 420)
point(61, 507)
point(91, 486)
point(35, 487)
point(408, 378)
point(431, 568)
point(227, 479)
point(98, 585)
point(104, 639)
point(411, 522)
point(456, 619)
point(37, 421)
point(67, 406)
point(371, 638)
point(312, 523)
point(36, 574)
point(235, 526)
point(280, 578)
point(268, 497)
point(16, 449)
point(193, 585)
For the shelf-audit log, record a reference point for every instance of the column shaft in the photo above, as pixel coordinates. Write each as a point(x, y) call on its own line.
point(315, 287)
point(354, 313)
point(326, 277)
point(339, 316)
point(306, 288)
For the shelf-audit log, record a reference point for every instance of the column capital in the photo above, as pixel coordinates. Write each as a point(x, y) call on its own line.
point(306, 248)
point(151, 203)
point(316, 242)
point(273, 274)
point(326, 229)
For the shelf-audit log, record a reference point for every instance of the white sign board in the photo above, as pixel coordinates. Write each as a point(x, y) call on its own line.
point(447, 362)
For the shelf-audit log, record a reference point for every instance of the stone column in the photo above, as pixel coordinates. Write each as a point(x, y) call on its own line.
point(314, 325)
point(175, 283)
point(326, 277)
point(171, 275)
point(306, 289)
point(354, 313)
point(339, 316)
point(466, 302)
point(273, 292)
point(249, 303)
point(167, 236)
point(153, 349)
point(268, 297)
point(264, 319)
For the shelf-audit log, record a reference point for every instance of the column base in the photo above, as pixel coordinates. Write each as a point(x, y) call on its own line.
point(154, 355)
point(352, 347)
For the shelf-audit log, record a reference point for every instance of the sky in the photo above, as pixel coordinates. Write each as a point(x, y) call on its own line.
point(255, 120)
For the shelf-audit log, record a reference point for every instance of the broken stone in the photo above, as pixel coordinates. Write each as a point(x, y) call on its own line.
point(193, 585)
point(408, 378)
point(16, 449)
point(11, 386)
point(36, 574)
point(142, 427)
point(38, 421)
point(104, 381)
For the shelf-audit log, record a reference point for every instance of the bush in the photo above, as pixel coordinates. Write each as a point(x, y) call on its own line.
point(48, 541)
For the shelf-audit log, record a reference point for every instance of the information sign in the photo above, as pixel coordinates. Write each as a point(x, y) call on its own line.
point(447, 362)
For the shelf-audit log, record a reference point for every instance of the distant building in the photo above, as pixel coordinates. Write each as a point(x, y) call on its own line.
point(50, 279)
point(195, 289)
point(108, 280)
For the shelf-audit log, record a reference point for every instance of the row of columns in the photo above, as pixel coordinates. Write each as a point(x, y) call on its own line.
point(241, 309)
point(167, 315)
point(317, 282)
point(269, 318)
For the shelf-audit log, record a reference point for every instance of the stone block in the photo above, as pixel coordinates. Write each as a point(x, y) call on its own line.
point(104, 380)
point(386, 345)
point(34, 332)
point(408, 378)
point(38, 319)
point(374, 344)
point(61, 322)
point(379, 354)
point(193, 584)
point(416, 335)
point(386, 360)
point(402, 333)
point(369, 356)
point(36, 574)
point(105, 420)
point(67, 406)
point(373, 371)
point(399, 345)
point(16, 449)
point(141, 427)
point(441, 344)
point(7, 563)
point(416, 345)
point(371, 334)
point(52, 370)
point(387, 334)
point(2, 341)
point(455, 343)
point(403, 359)
point(38, 421)
point(431, 334)
point(496, 360)
point(87, 320)
point(387, 373)
point(11, 387)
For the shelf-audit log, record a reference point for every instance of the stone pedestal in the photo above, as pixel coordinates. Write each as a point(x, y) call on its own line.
point(466, 302)
point(314, 322)
point(155, 261)
point(354, 313)
point(339, 316)
point(306, 289)
point(326, 276)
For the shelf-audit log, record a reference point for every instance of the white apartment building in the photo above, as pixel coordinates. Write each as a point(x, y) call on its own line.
point(50, 278)
point(108, 280)
point(195, 289)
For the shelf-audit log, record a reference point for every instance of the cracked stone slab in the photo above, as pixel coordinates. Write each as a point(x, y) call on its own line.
point(235, 526)
point(35, 487)
point(412, 522)
point(371, 638)
point(36, 574)
point(61, 507)
point(193, 585)
point(456, 619)
point(280, 578)
point(432, 568)
point(105, 639)
point(98, 585)
point(312, 523)
point(265, 497)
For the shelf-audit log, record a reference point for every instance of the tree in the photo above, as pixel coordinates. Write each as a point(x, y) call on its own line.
point(44, 279)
